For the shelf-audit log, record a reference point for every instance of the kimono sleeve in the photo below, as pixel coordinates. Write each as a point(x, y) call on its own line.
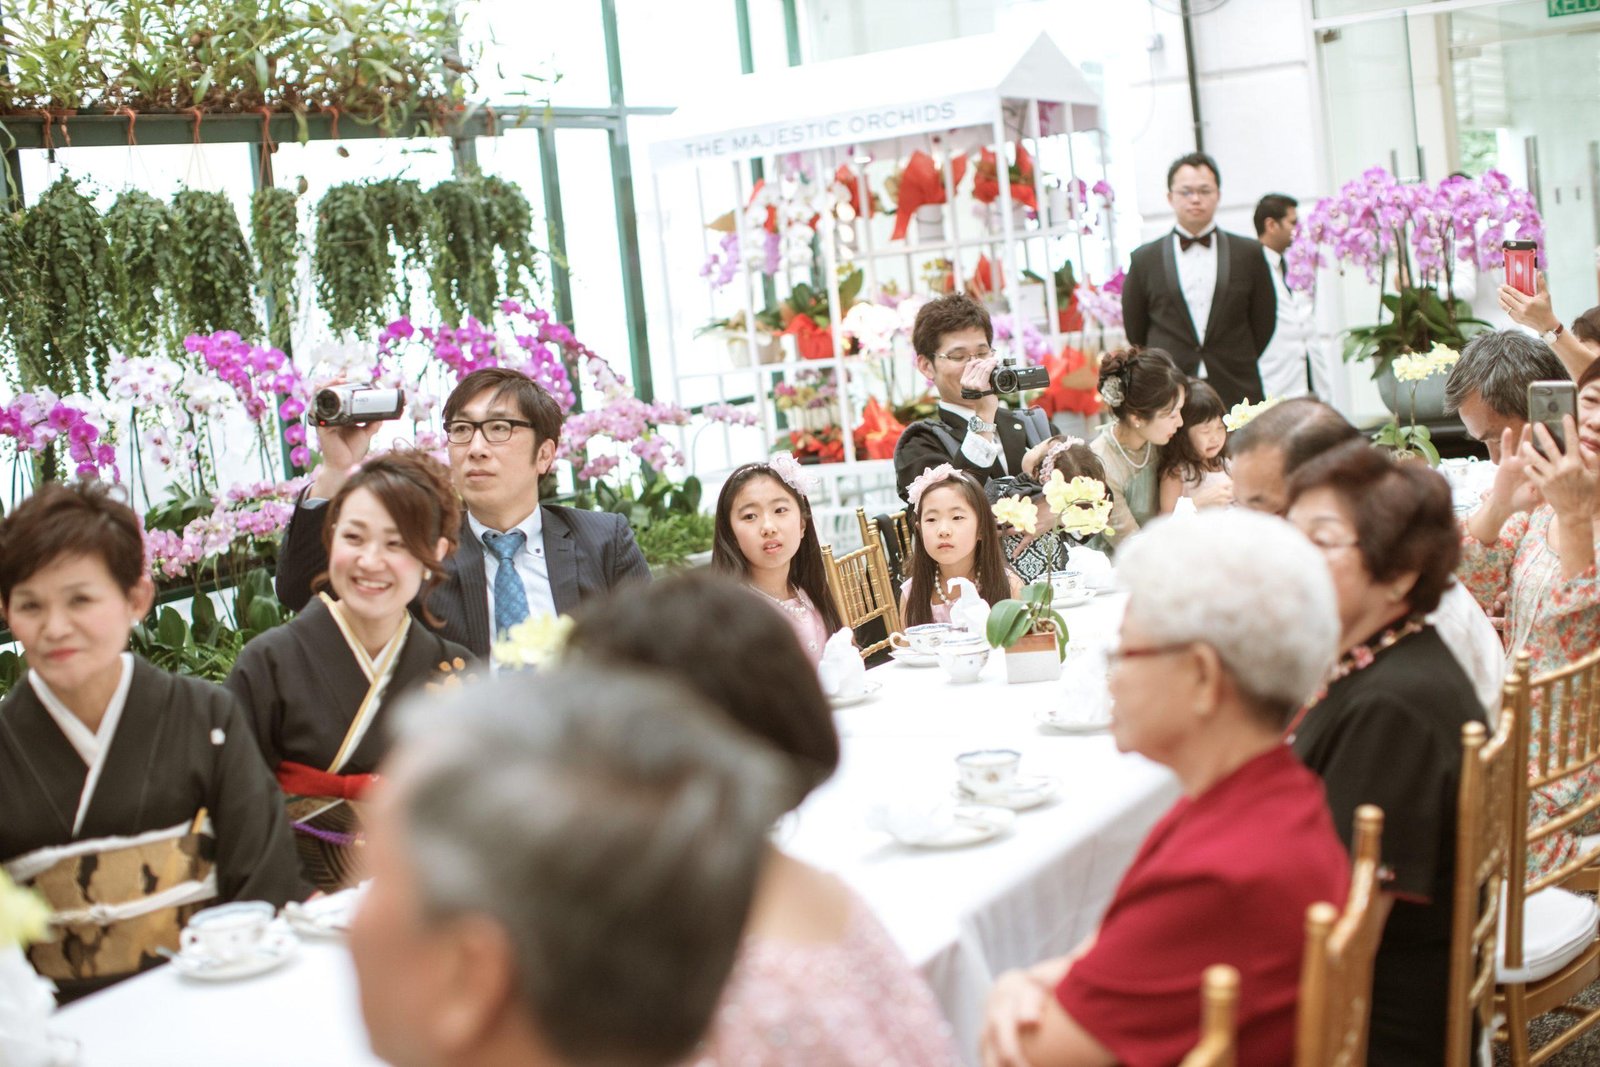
point(256, 855)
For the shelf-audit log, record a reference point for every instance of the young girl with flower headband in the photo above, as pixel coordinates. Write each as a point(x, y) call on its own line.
point(1032, 557)
point(953, 535)
point(1144, 390)
point(764, 535)
point(1192, 464)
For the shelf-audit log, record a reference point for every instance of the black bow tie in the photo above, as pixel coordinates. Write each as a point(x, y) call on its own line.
point(1184, 240)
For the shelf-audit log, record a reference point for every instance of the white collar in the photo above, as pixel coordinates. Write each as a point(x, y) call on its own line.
point(91, 747)
point(1272, 256)
point(1177, 229)
point(532, 527)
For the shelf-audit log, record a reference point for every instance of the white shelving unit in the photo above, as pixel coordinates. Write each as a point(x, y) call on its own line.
point(868, 114)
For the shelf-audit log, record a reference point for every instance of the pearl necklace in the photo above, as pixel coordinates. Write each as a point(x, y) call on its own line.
point(1112, 433)
point(794, 605)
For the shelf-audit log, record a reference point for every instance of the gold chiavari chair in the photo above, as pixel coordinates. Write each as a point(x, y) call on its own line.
point(1484, 828)
point(896, 549)
point(859, 582)
point(1219, 997)
point(1539, 913)
point(1336, 976)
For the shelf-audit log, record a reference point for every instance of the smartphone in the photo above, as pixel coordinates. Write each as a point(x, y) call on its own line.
point(1522, 265)
point(1548, 402)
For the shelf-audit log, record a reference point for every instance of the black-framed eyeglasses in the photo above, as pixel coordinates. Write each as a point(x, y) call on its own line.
point(495, 431)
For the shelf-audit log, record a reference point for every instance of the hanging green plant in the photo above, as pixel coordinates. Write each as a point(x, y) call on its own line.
point(463, 273)
point(139, 232)
point(275, 234)
point(214, 277)
point(401, 207)
point(21, 307)
point(67, 243)
point(510, 226)
point(351, 261)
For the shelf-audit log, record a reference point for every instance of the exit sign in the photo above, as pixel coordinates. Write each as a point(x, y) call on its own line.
point(1573, 7)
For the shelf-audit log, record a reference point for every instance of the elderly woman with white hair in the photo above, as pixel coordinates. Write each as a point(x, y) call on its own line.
point(1230, 626)
point(1386, 730)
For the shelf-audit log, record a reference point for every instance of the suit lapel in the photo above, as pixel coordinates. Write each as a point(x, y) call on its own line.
point(561, 558)
point(471, 587)
point(1169, 266)
point(1224, 254)
point(1013, 439)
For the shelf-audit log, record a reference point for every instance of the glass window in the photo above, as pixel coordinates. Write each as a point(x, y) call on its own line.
point(661, 43)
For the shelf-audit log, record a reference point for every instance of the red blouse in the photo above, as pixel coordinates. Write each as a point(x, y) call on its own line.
point(1225, 877)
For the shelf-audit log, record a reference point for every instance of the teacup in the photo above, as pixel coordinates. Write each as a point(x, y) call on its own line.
point(1069, 586)
point(989, 772)
point(228, 932)
point(963, 658)
point(925, 639)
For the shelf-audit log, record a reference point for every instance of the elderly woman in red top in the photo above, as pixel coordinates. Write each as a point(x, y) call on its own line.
point(1231, 624)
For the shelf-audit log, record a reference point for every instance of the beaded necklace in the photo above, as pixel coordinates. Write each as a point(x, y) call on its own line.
point(1358, 658)
point(1142, 464)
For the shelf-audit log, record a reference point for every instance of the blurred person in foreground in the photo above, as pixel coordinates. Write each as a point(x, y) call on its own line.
point(819, 981)
point(1271, 447)
point(1230, 625)
point(562, 865)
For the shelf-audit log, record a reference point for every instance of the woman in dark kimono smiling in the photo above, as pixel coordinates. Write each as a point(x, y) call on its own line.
point(318, 689)
point(129, 797)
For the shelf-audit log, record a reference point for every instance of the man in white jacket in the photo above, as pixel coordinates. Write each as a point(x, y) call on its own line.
point(1294, 363)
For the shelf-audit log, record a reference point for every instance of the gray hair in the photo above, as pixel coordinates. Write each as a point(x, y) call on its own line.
point(613, 827)
point(1248, 585)
point(1498, 366)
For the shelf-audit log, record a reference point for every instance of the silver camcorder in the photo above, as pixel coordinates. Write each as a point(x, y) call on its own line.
point(341, 405)
point(1011, 376)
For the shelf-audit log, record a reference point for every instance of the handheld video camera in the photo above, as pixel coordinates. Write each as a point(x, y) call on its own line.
point(1011, 376)
point(341, 405)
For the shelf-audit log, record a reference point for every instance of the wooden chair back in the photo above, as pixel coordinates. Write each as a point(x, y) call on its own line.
point(1336, 976)
point(1219, 1000)
point(894, 532)
point(860, 584)
point(1491, 767)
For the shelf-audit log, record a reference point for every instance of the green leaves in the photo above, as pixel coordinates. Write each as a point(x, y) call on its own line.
point(67, 346)
point(1011, 620)
point(665, 515)
point(275, 234)
point(142, 237)
point(214, 276)
point(204, 645)
point(1418, 319)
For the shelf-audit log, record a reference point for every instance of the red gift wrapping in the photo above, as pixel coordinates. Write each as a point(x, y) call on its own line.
point(847, 178)
point(921, 184)
point(1058, 398)
point(810, 340)
point(988, 278)
point(879, 431)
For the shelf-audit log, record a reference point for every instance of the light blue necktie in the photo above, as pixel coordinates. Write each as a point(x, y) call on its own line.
point(510, 598)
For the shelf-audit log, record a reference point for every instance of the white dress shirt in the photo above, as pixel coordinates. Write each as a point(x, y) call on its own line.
point(1197, 277)
point(90, 747)
point(1471, 638)
point(1294, 343)
point(528, 560)
point(979, 450)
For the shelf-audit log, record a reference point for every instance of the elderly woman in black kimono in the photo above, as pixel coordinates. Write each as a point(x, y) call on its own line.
point(129, 797)
point(318, 689)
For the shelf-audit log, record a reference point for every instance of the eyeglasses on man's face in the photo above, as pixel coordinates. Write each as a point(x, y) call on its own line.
point(960, 356)
point(1195, 192)
point(495, 431)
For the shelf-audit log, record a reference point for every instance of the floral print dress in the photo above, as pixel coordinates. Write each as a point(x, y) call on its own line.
point(1556, 622)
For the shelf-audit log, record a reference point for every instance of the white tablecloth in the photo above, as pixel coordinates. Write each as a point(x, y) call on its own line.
point(961, 916)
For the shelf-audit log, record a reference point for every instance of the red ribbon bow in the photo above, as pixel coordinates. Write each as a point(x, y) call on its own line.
point(298, 779)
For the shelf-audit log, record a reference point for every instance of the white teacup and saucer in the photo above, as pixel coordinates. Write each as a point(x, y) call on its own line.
point(918, 646)
point(963, 657)
point(991, 776)
point(233, 941)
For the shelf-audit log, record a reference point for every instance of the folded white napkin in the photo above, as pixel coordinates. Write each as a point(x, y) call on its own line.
point(913, 823)
point(841, 671)
point(1084, 697)
point(968, 610)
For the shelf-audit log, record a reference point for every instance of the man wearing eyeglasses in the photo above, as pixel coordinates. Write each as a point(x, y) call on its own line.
point(953, 338)
point(517, 558)
point(1203, 295)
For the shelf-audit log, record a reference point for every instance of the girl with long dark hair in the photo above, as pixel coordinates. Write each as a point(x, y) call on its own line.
point(1192, 463)
point(954, 535)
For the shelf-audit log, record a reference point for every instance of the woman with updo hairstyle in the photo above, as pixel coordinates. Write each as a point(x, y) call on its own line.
point(1144, 391)
point(1386, 729)
point(130, 798)
point(318, 689)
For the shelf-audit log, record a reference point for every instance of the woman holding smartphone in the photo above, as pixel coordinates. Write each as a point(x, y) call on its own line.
point(1533, 541)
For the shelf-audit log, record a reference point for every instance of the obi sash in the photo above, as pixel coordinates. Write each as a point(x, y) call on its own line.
point(115, 900)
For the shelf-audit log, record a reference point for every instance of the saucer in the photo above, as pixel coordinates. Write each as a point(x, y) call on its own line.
point(909, 657)
point(974, 824)
point(1059, 722)
point(1029, 791)
point(277, 945)
point(324, 917)
point(866, 694)
point(1076, 601)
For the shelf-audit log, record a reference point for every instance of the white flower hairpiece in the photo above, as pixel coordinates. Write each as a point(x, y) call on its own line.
point(1048, 464)
point(1111, 391)
point(785, 466)
point(921, 482)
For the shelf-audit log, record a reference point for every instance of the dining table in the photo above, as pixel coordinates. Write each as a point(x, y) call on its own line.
point(961, 915)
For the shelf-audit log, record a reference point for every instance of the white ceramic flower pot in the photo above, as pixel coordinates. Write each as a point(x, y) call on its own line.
point(930, 222)
point(1033, 659)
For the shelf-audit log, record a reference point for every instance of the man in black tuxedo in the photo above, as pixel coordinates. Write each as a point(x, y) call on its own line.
point(517, 557)
point(1203, 295)
point(952, 337)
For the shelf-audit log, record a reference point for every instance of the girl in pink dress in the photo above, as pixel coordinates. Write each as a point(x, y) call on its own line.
point(953, 535)
point(765, 537)
point(1192, 465)
point(818, 981)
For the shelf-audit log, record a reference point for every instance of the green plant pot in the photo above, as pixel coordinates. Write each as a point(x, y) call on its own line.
point(1397, 397)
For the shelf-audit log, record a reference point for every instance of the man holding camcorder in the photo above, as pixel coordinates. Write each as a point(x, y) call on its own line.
point(953, 338)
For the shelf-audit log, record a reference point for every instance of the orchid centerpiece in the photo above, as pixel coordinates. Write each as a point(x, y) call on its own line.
point(1413, 369)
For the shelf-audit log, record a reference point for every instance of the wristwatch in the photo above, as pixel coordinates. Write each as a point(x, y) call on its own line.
point(977, 425)
point(1549, 336)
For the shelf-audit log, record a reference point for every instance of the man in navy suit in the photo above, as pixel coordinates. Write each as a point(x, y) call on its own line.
point(1203, 295)
point(517, 557)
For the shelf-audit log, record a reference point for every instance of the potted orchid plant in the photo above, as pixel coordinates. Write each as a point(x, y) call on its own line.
point(1032, 632)
point(1414, 370)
